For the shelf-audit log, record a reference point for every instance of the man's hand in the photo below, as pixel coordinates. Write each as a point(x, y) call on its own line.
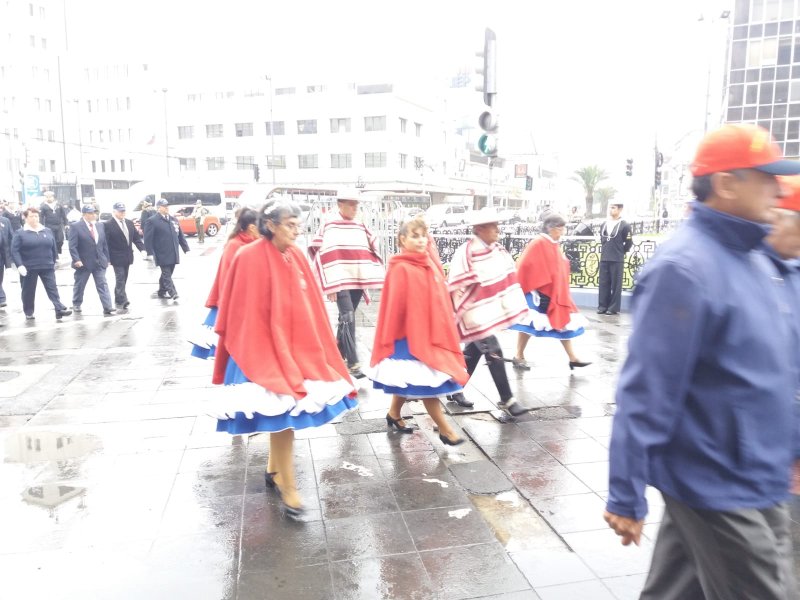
point(796, 478)
point(628, 529)
point(332, 297)
point(143, 253)
point(77, 264)
point(22, 270)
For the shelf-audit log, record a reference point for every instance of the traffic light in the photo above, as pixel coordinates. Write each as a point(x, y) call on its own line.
point(528, 183)
point(487, 120)
point(659, 162)
point(629, 167)
point(657, 180)
point(256, 172)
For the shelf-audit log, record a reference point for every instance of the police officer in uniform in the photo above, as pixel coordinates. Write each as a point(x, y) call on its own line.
point(615, 241)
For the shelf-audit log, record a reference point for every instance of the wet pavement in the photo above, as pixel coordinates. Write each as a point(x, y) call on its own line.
point(113, 483)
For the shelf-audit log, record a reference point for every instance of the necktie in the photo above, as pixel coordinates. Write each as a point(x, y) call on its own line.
point(124, 230)
point(91, 231)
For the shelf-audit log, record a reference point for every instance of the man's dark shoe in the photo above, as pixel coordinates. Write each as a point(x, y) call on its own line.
point(612, 312)
point(109, 311)
point(461, 400)
point(356, 372)
point(3, 304)
point(601, 311)
point(126, 304)
point(76, 308)
point(63, 313)
point(512, 407)
point(175, 297)
point(29, 317)
point(162, 295)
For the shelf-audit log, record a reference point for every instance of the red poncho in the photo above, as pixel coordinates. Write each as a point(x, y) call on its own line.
point(544, 269)
point(273, 322)
point(415, 305)
point(228, 253)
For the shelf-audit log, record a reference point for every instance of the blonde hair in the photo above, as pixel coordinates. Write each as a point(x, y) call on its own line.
point(413, 224)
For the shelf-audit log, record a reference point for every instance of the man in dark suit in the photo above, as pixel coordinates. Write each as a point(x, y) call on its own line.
point(163, 238)
point(615, 241)
point(122, 236)
point(54, 217)
point(89, 250)
point(5, 254)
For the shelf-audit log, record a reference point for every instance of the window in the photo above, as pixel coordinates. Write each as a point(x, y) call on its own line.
point(94, 166)
point(91, 136)
point(187, 164)
point(375, 123)
point(44, 43)
point(113, 166)
point(103, 166)
point(52, 166)
point(42, 165)
point(341, 161)
point(373, 160)
point(37, 103)
point(244, 129)
point(403, 161)
point(215, 163)
point(403, 123)
point(89, 105)
point(51, 135)
point(276, 162)
point(40, 134)
point(245, 163)
point(275, 128)
point(128, 103)
point(110, 135)
point(41, 12)
point(307, 161)
point(32, 40)
point(185, 132)
point(48, 105)
point(418, 129)
point(340, 125)
point(306, 126)
point(30, 9)
point(192, 98)
point(214, 131)
point(284, 91)
point(419, 162)
point(122, 165)
point(101, 133)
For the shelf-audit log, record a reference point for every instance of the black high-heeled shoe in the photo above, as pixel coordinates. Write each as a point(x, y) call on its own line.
point(577, 363)
point(269, 480)
point(396, 423)
point(295, 513)
point(448, 442)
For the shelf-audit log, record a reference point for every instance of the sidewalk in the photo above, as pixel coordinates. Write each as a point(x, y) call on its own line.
point(111, 486)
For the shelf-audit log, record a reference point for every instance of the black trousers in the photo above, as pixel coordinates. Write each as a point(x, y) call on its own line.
point(48, 277)
point(347, 302)
point(165, 285)
point(2, 273)
point(120, 280)
point(610, 292)
point(490, 348)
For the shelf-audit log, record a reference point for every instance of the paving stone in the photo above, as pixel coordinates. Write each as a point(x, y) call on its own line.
point(481, 477)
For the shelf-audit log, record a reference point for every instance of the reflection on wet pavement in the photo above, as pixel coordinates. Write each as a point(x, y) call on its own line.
point(113, 483)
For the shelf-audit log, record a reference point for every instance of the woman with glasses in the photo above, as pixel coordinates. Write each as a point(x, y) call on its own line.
point(543, 273)
point(277, 348)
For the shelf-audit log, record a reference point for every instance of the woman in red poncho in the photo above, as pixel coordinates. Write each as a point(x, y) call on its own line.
point(277, 347)
point(244, 232)
point(416, 354)
point(543, 273)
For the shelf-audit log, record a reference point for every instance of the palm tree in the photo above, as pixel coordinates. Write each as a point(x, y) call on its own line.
point(604, 194)
point(589, 177)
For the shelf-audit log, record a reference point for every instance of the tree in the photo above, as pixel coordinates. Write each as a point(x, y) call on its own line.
point(589, 177)
point(603, 195)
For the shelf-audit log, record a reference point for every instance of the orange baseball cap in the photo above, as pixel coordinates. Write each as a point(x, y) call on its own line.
point(791, 193)
point(741, 146)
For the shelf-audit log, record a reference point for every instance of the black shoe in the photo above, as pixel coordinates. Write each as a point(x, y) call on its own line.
point(459, 399)
point(175, 297)
point(109, 312)
point(356, 372)
point(29, 317)
point(162, 294)
point(3, 304)
point(601, 311)
point(449, 442)
point(63, 313)
point(269, 480)
point(77, 308)
point(612, 312)
point(126, 304)
point(512, 407)
point(577, 363)
point(396, 423)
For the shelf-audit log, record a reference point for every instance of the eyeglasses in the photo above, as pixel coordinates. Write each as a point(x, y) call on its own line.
point(292, 226)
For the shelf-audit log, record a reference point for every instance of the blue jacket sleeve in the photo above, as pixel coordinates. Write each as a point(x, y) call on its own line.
point(16, 246)
point(72, 237)
point(669, 310)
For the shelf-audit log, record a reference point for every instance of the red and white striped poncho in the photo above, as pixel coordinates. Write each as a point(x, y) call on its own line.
point(343, 256)
point(486, 295)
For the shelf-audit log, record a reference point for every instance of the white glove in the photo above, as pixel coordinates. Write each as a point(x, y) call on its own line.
point(143, 253)
point(22, 270)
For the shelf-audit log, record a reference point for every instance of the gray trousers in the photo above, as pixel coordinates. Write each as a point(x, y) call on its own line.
point(743, 554)
point(347, 302)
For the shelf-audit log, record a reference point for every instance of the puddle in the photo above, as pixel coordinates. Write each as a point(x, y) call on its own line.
point(29, 447)
point(444, 484)
point(363, 471)
point(52, 494)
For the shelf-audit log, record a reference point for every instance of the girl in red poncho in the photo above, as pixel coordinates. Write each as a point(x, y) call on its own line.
point(277, 347)
point(416, 354)
point(244, 232)
point(543, 273)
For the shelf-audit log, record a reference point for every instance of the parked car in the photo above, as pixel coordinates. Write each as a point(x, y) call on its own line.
point(443, 215)
point(211, 223)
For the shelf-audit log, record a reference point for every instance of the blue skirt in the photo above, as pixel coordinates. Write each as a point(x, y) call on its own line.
point(414, 390)
point(241, 424)
point(538, 325)
point(206, 352)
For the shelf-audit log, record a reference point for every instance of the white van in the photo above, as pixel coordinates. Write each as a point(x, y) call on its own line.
point(443, 215)
point(181, 195)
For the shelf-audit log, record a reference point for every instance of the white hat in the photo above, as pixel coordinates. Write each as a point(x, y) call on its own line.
point(349, 194)
point(487, 214)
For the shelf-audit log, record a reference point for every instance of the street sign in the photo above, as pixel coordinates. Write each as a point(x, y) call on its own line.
point(31, 187)
point(520, 170)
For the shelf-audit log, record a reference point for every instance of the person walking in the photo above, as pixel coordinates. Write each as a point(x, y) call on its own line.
point(12, 214)
point(487, 298)
point(706, 399)
point(54, 217)
point(346, 264)
point(33, 251)
point(164, 239)
point(199, 214)
point(88, 248)
point(122, 236)
point(6, 234)
point(543, 273)
point(615, 241)
point(276, 347)
point(416, 354)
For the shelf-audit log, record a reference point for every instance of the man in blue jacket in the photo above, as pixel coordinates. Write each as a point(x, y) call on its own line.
point(88, 248)
point(163, 238)
point(706, 398)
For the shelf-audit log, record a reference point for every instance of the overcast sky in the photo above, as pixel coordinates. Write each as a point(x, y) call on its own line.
point(594, 81)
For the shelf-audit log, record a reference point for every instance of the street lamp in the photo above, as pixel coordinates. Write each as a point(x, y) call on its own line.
point(724, 15)
point(271, 131)
point(166, 132)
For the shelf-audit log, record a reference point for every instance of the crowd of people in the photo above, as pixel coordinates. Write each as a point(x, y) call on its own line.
point(32, 241)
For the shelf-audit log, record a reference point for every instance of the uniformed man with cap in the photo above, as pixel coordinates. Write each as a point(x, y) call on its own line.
point(615, 241)
point(54, 217)
point(122, 237)
point(163, 239)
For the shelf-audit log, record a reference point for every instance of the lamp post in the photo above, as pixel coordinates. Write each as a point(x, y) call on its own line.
point(166, 132)
point(724, 15)
point(271, 132)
